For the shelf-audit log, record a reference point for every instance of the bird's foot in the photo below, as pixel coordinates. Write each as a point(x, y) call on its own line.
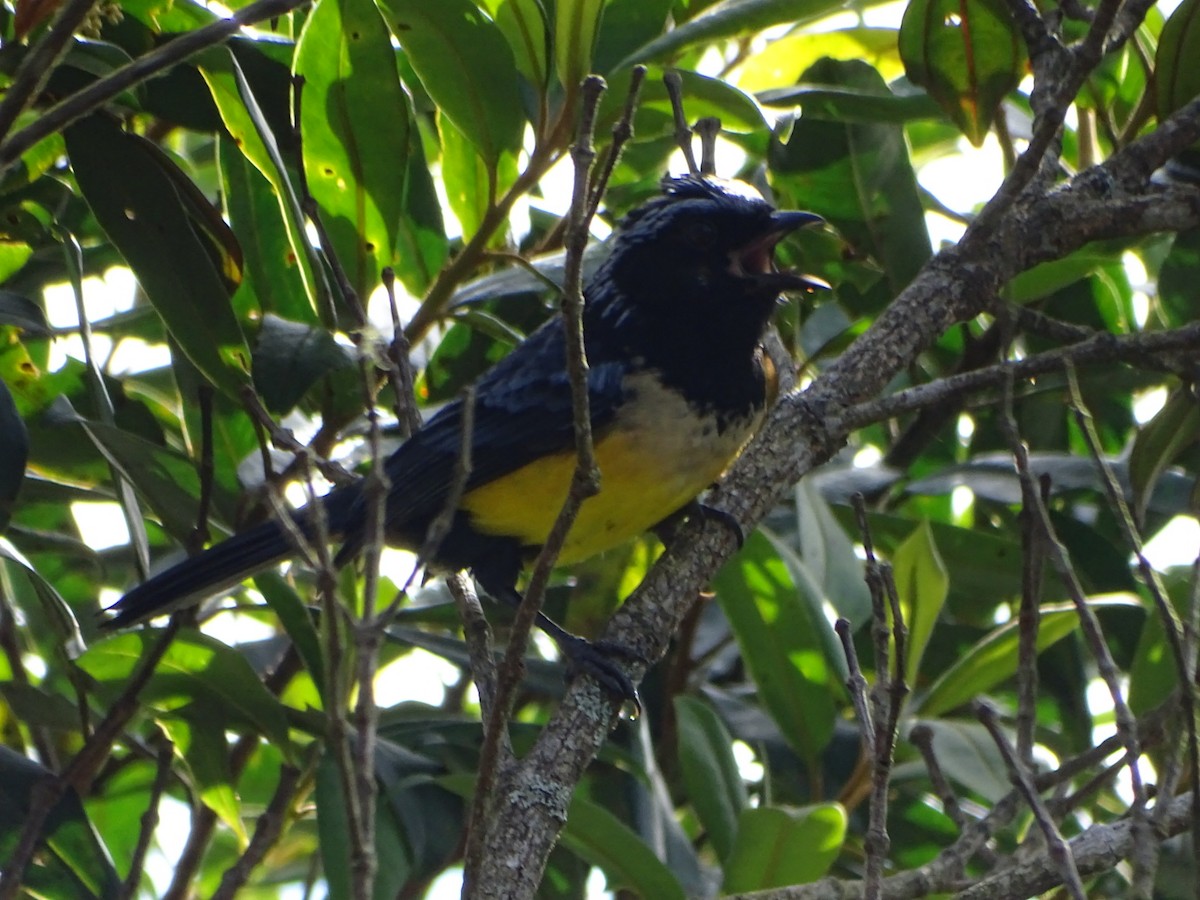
point(601, 661)
point(726, 518)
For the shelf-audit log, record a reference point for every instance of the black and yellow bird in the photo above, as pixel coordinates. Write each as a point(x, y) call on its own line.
point(673, 321)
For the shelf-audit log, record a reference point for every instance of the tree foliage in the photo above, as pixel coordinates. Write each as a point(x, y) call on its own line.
point(332, 207)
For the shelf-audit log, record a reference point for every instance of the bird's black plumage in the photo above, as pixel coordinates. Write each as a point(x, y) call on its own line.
point(672, 323)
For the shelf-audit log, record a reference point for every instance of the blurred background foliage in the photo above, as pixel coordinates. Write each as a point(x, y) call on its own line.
point(431, 135)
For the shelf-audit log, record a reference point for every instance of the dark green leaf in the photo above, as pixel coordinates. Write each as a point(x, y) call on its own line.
point(246, 124)
point(710, 772)
point(24, 314)
point(782, 633)
point(994, 658)
point(14, 452)
point(605, 841)
point(141, 210)
point(467, 68)
point(290, 357)
point(1176, 76)
point(196, 669)
point(355, 121)
point(967, 54)
point(858, 176)
point(75, 862)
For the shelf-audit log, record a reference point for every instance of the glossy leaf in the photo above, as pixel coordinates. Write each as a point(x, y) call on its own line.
point(196, 669)
point(729, 18)
point(14, 452)
point(466, 66)
point(779, 625)
point(967, 54)
point(248, 126)
point(523, 23)
point(922, 586)
point(969, 757)
point(575, 25)
point(142, 212)
point(828, 554)
point(206, 753)
point(710, 772)
point(274, 276)
point(858, 176)
point(74, 861)
point(778, 847)
point(1159, 442)
point(289, 358)
point(605, 841)
point(1176, 76)
point(781, 62)
point(994, 658)
point(354, 120)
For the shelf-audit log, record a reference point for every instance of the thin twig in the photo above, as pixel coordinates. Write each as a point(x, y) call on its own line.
point(39, 63)
point(162, 775)
point(266, 833)
point(683, 134)
point(1056, 846)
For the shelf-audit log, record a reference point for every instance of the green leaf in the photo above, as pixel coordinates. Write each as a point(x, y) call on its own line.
point(605, 841)
point(466, 66)
point(289, 358)
point(14, 453)
point(969, 757)
point(575, 25)
point(626, 25)
point(248, 126)
point(74, 861)
point(704, 96)
point(333, 826)
point(206, 753)
point(730, 18)
point(354, 120)
point(1176, 75)
point(196, 669)
point(967, 54)
point(274, 279)
point(1154, 673)
point(1177, 279)
point(714, 785)
point(777, 847)
point(141, 210)
point(523, 23)
point(852, 105)
point(994, 658)
point(23, 313)
point(1159, 443)
point(858, 176)
point(296, 621)
point(922, 586)
point(828, 554)
point(779, 626)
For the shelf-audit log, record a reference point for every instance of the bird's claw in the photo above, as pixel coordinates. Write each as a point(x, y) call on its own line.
point(599, 660)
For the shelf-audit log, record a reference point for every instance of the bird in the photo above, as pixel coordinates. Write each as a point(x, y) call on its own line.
point(677, 381)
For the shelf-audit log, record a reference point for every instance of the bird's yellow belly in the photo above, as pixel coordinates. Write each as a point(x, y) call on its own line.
point(653, 460)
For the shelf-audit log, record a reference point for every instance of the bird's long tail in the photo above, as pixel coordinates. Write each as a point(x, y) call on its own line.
point(216, 569)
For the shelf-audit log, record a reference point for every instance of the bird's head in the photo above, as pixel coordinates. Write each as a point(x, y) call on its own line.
point(706, 248)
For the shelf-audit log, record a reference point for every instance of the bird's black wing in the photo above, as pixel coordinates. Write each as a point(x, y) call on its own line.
point(522, 412)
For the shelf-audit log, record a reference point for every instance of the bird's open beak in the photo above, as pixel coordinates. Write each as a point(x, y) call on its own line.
point(757, 259)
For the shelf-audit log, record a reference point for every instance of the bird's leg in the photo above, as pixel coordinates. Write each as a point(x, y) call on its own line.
point(666, 528)
point(598, 659)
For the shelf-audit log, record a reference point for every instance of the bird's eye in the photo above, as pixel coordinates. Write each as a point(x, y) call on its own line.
point(700, 234)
